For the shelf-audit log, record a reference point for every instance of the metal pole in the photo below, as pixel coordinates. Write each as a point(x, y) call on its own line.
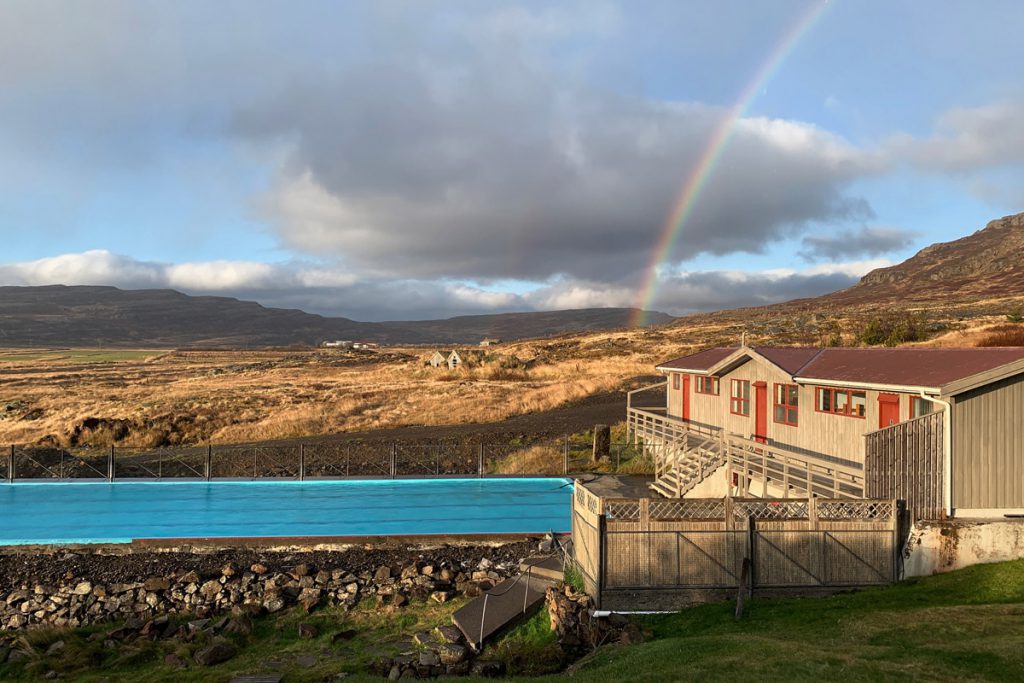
point(526, 592)
point(209, 461)
point(483, 615)
point(565, 455)
point(302, 462)
point(110, 464)
point(255, 452)
point(60, 468)
point(481, 461)
point(348, 462)
point(10, 466)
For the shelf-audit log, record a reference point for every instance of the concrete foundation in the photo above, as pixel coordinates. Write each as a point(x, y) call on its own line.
point(936, 547)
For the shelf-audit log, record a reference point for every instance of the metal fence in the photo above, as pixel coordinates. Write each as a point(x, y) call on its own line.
point(370, 460)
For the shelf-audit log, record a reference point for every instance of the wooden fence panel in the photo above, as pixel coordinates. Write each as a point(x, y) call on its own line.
point(858, 558)
point(904, 461)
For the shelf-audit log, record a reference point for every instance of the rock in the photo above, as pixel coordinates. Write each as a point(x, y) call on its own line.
point(442, 596)
point(211, 588)
point(309, 598)
point(174, 661)
point(229, 570)
point(395, 673)
point(400, 600)
point(17, 656)
point(274, 604)
point(382, 574)
point(300, 570)
point(429, 658)
point(83, 588)
point(307, 661)
point(308, 631)
point(452, 653)
point(51, 675)
point(190, 577)
point(487, 668)
point(448, 634)
point(259, 569)
point(240, 624)
point(214, 654)
point(347, 634)
point(156, 583)
point(55, 648)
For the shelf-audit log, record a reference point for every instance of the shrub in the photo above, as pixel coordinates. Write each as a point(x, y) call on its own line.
point(894, 329)
point(1004, 335)
point(1015, 316)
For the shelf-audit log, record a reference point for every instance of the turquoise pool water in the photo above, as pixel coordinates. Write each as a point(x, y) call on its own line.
point(91, 512)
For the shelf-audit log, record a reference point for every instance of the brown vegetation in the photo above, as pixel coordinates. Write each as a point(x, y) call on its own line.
point(1003, 335)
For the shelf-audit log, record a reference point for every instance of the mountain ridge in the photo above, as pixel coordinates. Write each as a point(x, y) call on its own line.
point(96, 315)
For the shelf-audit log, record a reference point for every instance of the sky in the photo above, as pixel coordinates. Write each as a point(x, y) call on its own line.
point(387, 160)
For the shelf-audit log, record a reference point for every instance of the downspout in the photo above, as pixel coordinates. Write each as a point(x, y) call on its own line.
point(947, 451)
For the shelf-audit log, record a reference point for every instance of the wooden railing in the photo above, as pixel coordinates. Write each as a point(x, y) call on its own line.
point(794, 473)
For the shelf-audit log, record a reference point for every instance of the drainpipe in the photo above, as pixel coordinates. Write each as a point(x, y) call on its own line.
point(947, 451)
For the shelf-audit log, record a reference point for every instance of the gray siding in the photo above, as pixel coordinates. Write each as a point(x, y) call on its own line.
point(988, 449)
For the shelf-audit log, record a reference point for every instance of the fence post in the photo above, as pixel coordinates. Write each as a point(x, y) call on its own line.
point(751, 552)
point(730, 523)
point(209, 461)
point(565, 455)
point(110, 464)
point(10, 466)
point(302, 461)
point(394, 459)
point(480, 464)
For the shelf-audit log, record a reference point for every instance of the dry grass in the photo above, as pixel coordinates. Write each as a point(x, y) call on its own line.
point(145, 398)
point(1003, 335)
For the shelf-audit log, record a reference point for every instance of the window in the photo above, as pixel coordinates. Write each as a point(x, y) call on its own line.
point(786, 404)
point(920, 407)
point(841, 402)
point(707, 385)
point(739, 397)
point(675, 381)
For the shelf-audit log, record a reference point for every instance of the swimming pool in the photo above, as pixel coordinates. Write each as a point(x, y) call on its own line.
point(120, 512)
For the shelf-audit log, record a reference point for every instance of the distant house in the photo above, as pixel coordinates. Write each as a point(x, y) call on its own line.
point(337, 344)
point(454, 360)
point(365, 345)
point(438, 359)
point(489, 342)
point(939, 427)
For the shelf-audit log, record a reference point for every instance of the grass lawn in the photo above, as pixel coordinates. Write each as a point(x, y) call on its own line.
point(966, 625)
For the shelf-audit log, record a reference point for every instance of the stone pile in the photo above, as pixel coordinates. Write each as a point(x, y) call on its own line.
point(443, 652)
point(579, 630)
point(251, 590)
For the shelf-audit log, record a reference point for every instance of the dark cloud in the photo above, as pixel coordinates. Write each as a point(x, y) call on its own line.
point(865, 241)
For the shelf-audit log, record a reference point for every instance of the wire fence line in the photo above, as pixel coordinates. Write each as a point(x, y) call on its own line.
point(381, 460)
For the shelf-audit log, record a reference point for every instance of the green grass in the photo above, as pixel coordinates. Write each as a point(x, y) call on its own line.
point(965, 625)
point(78, 355)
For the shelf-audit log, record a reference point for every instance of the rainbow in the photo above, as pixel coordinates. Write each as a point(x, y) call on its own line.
point(712, 153)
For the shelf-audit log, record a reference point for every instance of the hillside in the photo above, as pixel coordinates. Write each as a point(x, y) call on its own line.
point(106, 316)
point(986, 264)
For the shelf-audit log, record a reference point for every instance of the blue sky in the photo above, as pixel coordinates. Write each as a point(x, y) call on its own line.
point(396, 160)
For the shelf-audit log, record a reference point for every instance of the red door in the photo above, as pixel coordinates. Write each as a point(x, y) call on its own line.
point(686, 397)
point(888, 410)
point(761, 411)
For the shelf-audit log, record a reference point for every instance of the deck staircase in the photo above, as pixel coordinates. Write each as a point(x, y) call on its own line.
point(682, 465)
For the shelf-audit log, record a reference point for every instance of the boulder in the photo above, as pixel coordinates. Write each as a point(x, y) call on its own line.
point(214, 654)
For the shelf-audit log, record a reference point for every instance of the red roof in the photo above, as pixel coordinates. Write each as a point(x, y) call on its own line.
point(789, 358)
point(698, 361)
point(916, 367)
point(931, 367)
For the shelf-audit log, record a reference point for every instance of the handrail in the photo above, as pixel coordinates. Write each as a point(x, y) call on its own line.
point(487, 595)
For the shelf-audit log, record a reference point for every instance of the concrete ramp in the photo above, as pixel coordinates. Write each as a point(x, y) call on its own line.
point(511, 600)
